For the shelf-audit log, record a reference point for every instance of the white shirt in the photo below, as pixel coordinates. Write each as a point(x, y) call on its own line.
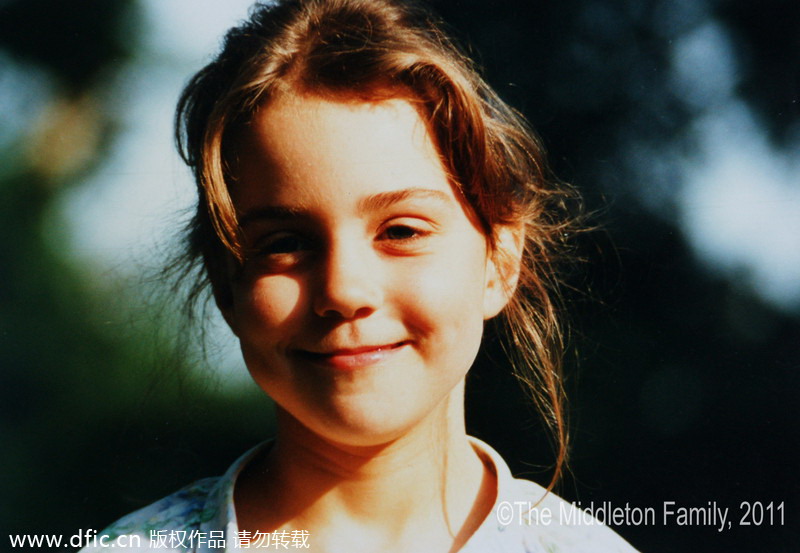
point(201, 518)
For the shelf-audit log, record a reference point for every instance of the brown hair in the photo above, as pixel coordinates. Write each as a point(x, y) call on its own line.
point(370, 49)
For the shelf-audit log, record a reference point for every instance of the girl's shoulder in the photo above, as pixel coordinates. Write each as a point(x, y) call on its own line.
point(526, 517)
point(171, 520)
point(195, 517)
point(556, 525)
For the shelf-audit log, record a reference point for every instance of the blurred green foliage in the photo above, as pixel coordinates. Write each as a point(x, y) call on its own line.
point(99, 411)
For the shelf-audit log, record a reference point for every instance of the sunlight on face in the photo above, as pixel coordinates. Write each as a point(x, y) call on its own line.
point(360, 307)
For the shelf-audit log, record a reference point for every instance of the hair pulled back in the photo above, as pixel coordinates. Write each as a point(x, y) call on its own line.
point(369, 50)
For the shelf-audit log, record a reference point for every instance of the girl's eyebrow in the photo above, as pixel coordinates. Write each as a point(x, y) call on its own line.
point(382, 200)
point(375, 202)
point(270, 212)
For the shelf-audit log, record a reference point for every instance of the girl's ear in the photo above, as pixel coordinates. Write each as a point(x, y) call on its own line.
point(222, 288)
point(227, 313)
point(223, 299)
point(503, 268)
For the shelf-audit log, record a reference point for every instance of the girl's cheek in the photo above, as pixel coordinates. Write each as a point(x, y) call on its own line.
point(448, 289)
point(269, 301)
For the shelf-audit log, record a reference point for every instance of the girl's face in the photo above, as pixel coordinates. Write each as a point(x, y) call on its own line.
point(360, 307)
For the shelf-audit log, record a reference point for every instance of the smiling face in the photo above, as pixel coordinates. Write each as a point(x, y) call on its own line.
point(360, 306)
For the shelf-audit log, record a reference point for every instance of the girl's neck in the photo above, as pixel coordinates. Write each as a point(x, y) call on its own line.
point(428, 482)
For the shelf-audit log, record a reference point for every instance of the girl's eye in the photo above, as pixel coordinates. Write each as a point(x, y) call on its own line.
point(280, 251)
point(282, 244)
point(401, 232)
point(405, 235)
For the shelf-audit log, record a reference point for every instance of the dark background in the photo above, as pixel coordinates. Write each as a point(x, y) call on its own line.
point(683, 381)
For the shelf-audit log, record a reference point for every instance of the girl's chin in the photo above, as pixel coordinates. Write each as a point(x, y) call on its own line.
point(352, 428)
point(363, 433)
point(371, 417)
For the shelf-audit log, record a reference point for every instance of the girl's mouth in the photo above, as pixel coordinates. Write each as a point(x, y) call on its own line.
point(350, 359)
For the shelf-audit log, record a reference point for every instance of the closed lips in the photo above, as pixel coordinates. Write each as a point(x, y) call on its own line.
point(356, 350)
point(351, 358)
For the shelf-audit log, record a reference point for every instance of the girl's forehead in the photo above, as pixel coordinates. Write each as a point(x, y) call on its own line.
point(328, 123)
point(302, 143)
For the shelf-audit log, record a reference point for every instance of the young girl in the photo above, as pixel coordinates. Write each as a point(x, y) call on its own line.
point(366, 203)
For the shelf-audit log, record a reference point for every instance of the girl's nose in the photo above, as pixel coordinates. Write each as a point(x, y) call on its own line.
point(348, 285)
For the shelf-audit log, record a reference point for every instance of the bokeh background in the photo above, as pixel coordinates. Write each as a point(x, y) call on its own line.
point(679, 120)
